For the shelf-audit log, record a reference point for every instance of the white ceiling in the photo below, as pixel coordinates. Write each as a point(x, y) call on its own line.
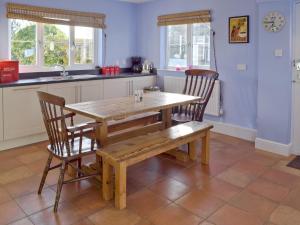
point(136, 1)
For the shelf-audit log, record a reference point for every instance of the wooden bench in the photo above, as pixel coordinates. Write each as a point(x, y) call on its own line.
point(126, 153)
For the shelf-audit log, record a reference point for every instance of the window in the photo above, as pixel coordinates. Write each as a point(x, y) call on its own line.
point(40, 47)
point(188, 45)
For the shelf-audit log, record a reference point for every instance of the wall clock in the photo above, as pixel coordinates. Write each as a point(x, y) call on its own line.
point(274, 22)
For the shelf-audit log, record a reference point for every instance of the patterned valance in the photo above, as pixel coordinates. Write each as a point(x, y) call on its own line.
point(202, 16)
point(55, 16)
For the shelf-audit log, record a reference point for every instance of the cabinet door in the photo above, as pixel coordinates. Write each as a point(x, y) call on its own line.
point(142, 82)
point(65, 90)
point(91, 91)
point(1, 114)
point(116, 88)
point(21, 111)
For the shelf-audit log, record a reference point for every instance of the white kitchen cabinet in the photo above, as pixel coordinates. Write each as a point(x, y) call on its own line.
point(142, 82)
point(123, 87)
point(91, 90)
point(21, 111)
point(1, 114)
point(65, 90)
point(116, 88)
point(88, 91)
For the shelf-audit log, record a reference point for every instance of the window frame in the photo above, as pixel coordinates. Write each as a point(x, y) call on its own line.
point(189, 49)
point(40, 67)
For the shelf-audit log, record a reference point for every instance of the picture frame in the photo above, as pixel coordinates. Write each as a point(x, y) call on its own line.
point(239, 32)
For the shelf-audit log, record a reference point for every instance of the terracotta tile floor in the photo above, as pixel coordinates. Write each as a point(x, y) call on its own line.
point(241, 186)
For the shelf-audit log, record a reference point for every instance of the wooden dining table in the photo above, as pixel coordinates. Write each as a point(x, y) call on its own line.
point(104, 111)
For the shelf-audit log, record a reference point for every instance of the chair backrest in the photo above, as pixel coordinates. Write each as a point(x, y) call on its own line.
point(198, 83)
point(52, 107)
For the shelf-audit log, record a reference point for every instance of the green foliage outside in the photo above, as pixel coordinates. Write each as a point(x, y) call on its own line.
point(55, 45)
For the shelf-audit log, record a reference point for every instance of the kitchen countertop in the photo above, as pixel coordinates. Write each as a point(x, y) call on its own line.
point(44, 80)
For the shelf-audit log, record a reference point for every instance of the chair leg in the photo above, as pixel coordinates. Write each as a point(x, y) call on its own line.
point(79, 167)
point(46, 170)
point(60, 184)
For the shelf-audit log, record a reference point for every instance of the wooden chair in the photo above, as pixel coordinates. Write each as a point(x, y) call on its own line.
point(67, 143)
point(198, 83)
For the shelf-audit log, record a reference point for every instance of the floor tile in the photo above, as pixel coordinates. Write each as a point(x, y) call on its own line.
point(174, 214)
point(9, 164)
point(285, 215)
point(24, 186)
point(145, 177)
point(192, 176)
point(32, 157)
point(206, 223)
point(33, 202)
point(200, 202)
point(170, 188)
point(229, 215)
point(282, 178)
point(293, 199)
point(249, 168)
point(10, 212)
point(269, 190)
point(72, 190)
point(15, 174)
point(236, 178)
point(112, 216)
point(221, 189)
point(4, 195)
point(24, 221)
point(67, 214)
point(255, 204)
point(144, 202)
point(83, 222)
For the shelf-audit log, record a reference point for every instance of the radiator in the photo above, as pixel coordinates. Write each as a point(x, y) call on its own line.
point(176, 85)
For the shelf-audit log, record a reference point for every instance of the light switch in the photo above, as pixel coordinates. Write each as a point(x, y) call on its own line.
point(278, 52)
point(241, 67)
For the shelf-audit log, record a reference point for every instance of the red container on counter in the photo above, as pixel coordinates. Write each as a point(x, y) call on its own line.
point(105, 70)
point(9, 71)
point(112, 70)
point(117, 70)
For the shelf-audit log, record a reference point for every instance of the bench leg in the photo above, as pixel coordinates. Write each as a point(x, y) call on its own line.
point(205, 148)
point(107, 185)
point(192, 150)
point(120, 186)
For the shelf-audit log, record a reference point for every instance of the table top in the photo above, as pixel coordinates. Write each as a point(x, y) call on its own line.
point(121, 108)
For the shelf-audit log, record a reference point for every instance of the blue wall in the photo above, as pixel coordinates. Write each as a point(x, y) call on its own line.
point(258, 98)
point(120, 21)
point(274, 77)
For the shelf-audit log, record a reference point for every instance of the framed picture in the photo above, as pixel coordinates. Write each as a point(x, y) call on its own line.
point(239, 29)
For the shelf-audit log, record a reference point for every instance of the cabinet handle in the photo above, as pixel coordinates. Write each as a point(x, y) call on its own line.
point(24, 89)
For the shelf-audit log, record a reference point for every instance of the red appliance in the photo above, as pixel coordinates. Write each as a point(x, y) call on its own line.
point(9, 71)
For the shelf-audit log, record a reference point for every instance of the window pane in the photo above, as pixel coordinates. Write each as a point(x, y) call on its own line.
point(23, 41)
point(84, 45)
point(177, 46)
point(56, 44)
point(201, 44)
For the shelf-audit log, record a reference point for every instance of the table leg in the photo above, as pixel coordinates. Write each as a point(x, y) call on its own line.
point(192, 150)
point(166, 117)
point(205, 148)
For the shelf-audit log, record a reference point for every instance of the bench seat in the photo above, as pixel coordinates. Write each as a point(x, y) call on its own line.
point(129, 152)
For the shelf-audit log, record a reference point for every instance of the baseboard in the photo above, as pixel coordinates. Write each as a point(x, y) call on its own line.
point(4, 145)
point(274, 147)
point(233, 130)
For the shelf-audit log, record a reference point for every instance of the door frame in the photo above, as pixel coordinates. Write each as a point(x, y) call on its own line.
point(293, 19)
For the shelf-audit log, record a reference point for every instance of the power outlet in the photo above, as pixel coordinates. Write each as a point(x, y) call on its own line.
point(241, 67)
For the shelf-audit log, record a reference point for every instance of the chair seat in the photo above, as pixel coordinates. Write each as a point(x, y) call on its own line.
point(181, 118)
point(74, 148)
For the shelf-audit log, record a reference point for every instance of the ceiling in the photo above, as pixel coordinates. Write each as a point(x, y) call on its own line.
point(136, 1)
